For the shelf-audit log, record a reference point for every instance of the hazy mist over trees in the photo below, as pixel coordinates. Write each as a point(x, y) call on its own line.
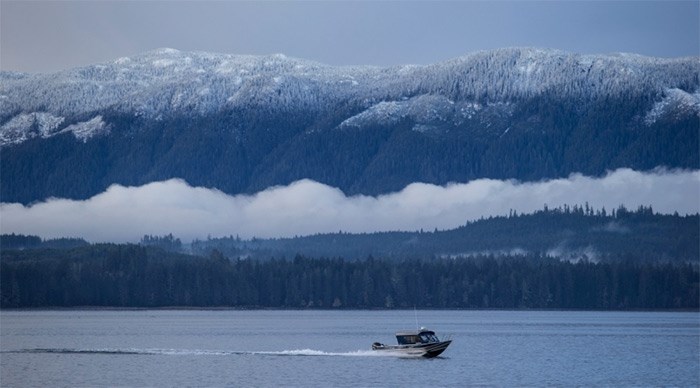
point(213, 126)
point(617, 259)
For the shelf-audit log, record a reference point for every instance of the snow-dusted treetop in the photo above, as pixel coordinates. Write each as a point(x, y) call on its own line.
point(168, 81)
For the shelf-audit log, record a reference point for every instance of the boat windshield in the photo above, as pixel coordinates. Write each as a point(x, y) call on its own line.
point(416, 338)
point(408, 339)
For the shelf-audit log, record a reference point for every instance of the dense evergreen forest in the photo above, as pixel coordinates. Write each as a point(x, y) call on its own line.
point(20, 241)
point(569, 232)
point(620, 259)
point(478, 116)
point(545, 139)
point(147, 276)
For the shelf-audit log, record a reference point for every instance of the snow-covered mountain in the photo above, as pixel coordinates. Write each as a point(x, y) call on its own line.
point(242, 123)
point(169, 82)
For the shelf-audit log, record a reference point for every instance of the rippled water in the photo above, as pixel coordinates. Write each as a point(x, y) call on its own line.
point(332, 348)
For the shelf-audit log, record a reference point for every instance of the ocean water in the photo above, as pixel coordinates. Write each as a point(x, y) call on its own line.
point(332, 348)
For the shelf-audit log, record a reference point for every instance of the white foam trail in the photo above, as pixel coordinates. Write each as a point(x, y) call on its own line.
point(200, 352)
point(312, 352)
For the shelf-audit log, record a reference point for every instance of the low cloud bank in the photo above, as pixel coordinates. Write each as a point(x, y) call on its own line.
point(123, 214)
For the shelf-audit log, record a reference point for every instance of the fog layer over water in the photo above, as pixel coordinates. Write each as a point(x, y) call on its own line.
point(122, 214)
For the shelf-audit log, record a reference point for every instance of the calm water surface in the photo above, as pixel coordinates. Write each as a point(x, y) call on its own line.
point(331, 348)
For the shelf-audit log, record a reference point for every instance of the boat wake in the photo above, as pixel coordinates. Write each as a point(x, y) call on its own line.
point(198, 352)
point(312, 352)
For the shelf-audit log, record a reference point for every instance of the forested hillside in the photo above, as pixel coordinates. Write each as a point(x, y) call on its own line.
point(20, 241)
point(568, 233)
point(137, 276)
point(571, 257)
point(242, 124)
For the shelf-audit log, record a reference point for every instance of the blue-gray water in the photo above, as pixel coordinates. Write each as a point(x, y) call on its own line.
point(331, 348)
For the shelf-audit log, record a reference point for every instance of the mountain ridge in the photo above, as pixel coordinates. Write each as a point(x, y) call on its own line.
point(244, 123)
point(502, 75)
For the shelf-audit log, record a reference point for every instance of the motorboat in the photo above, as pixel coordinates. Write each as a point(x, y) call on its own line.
point(422, 342)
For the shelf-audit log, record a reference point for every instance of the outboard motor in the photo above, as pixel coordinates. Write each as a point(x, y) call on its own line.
point(377, 345)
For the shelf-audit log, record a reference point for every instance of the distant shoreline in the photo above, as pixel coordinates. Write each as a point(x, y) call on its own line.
point(225, 308)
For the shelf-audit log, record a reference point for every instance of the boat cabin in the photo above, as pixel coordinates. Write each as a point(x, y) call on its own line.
point(422, 336)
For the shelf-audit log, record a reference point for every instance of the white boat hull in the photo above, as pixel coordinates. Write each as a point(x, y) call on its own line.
point(427, 350)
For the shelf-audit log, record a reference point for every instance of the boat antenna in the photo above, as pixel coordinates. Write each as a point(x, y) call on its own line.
point(415, 314)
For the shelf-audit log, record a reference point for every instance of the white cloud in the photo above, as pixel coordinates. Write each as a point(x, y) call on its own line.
point(305, 207)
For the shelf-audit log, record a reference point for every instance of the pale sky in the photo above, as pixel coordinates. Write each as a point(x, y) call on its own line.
point(44, 36)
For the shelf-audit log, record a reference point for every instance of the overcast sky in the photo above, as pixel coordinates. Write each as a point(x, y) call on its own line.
point(42, 36)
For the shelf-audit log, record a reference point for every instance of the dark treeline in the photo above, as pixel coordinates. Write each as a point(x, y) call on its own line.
point(141, 276)
point(568, 232)
point(168, 242)
point(21, 241)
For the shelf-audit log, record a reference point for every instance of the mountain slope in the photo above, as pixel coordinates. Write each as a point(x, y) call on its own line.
point(243, 123)
point(568, 234)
